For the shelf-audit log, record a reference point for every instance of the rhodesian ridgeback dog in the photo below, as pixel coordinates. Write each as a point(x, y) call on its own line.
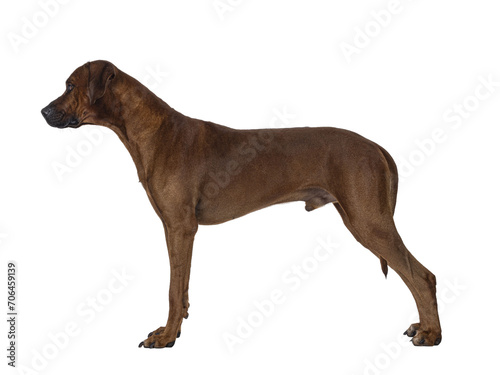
point(197, 172)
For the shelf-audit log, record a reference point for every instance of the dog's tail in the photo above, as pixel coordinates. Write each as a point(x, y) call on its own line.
point(392, 192)
point(383, 263)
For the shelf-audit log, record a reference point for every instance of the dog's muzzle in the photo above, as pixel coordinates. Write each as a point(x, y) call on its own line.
point(58, 119)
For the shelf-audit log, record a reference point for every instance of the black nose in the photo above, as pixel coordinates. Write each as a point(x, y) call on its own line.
point(47, 111)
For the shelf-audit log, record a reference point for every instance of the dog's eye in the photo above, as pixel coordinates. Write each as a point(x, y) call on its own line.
point(69, 87)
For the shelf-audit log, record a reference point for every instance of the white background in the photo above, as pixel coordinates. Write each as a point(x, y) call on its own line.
point(239, 68)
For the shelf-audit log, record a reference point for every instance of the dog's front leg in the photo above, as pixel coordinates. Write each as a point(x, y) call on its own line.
point(180, 237)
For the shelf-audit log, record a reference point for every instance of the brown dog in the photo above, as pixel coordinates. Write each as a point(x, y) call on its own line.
point(196, 172)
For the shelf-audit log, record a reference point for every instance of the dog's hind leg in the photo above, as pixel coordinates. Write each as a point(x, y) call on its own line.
point(366, 206)
point(386, 244)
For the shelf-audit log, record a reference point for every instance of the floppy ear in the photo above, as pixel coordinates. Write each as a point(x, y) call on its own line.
point(101, 73)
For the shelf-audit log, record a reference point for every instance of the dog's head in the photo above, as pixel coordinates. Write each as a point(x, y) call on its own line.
point(85, 88)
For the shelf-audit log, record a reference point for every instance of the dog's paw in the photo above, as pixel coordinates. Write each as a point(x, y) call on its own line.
point(421, 337)
point(159, 339)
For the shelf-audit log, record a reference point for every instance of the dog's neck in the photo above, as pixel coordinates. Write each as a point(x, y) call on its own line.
point(139, 137)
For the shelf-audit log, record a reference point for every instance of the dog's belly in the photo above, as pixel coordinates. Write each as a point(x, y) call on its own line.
point(219, 211)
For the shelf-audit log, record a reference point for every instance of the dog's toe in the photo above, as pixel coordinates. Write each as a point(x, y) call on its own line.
point(420, 341)
point(412, 330)
point(170, 344)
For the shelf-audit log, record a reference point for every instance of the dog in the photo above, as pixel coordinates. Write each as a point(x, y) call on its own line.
point(199, 173)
